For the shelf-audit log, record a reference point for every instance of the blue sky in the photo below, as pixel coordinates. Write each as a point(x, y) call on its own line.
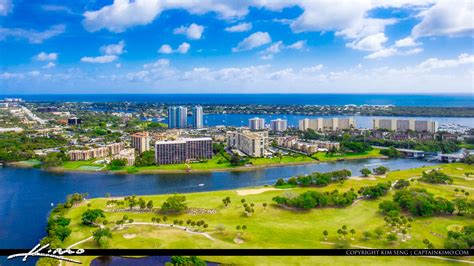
point(248, 46)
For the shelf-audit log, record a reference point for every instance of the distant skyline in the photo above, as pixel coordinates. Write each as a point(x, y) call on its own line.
point(249, 46)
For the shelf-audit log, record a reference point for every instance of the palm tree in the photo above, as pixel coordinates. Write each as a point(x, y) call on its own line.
point(264, 206)
point(353, 233)
point(325, 233)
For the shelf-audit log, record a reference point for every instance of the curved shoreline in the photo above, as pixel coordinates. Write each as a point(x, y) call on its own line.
point(210, 170)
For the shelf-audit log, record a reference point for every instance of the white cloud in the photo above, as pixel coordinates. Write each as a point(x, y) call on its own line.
point(122, 14)
point(193, 31)
point(32, 36)
point(49, 65)
point(113, 49)
point(277, 47)
point(446, 18)
point(391, 51)
point(370, 43)
point(46, 57)
point(34, 73)
point(297, 45)
point(254, 40)
point(406, 42)
point(242, 27)
point(118, 65)
point(313, 69)
point(6, 7)
point(435, 63)
point(165, 49)
point(387, 52)
point(183, 48)
point(99, 59)
point(158, 63)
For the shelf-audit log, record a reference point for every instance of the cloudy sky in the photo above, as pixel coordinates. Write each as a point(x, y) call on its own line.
point(245, 46)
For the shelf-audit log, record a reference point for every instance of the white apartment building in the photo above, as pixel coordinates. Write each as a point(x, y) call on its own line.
point(329, 124)
point(279, 125)
point(253, 144)
point(256, 123)
point(405, 124)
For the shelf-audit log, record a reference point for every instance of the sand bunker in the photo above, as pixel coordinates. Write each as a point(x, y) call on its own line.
point(129, 236)
point(245, 192)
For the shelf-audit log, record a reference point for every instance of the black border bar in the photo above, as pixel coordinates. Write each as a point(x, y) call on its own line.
point(259, 252)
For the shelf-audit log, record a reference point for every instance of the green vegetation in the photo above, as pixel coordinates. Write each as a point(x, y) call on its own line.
point(316, 179)
point(373, 192)
point(391, 152)
point(20, 146)
point(315, 199)
point(460, 240)
point(174, 204)
point(303, 227)
point(436, 177)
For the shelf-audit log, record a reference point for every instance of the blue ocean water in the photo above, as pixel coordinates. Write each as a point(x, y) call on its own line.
point(452, 100)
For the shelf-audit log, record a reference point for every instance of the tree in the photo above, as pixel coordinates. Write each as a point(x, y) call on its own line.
point(175, 204)
point(436, 177)
point(146, 158)
point(118, 163)
point(367, 235)
point(54, 159)
point(392, 237)
point(379, 232)
point(401, 184)
point(365, 172)
point(264, 206)
point(280, 182)
point(381, 170)
point(149, 205)
point(89, 217)
point(325, 233)
point(352, 233)
point(226, 201)
point(180, 260)
point(391, 152)
point(100, 235)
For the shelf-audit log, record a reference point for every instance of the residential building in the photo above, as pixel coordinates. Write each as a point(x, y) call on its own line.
point(100, 152)
point(197, 117)
point(406, 124)
point(256, 123)
point(73, 121)
point(177, 117)
point(329, 124)
point(128, 155)
point(254, 144)
point(183, 150)
point(140, 141)
point(279, 125)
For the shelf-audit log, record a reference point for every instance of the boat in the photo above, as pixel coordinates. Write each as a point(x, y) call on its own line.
point(201, 185)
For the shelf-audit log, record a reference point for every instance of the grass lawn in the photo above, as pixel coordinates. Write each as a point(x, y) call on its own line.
point(29, 163)
point(275, 227)
point(82, 165)
point(321, 156)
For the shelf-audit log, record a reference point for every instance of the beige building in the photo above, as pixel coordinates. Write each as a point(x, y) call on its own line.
point(329, 124)
point(253, 144)
point(127, 155)
point(406, 124)
point(140, 141)
point(100, 152)
point(183, 150)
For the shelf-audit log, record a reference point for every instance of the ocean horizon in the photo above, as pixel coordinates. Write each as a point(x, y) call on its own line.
point(427, 100)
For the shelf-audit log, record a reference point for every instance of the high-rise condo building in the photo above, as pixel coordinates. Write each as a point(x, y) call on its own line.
point(197, 117)
point(140, 141)
point(330, 124)
point(253, 144)
point(256, 123)
point(183, 150)
point(177, 117)
point(279, 125)
point(405, 124)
